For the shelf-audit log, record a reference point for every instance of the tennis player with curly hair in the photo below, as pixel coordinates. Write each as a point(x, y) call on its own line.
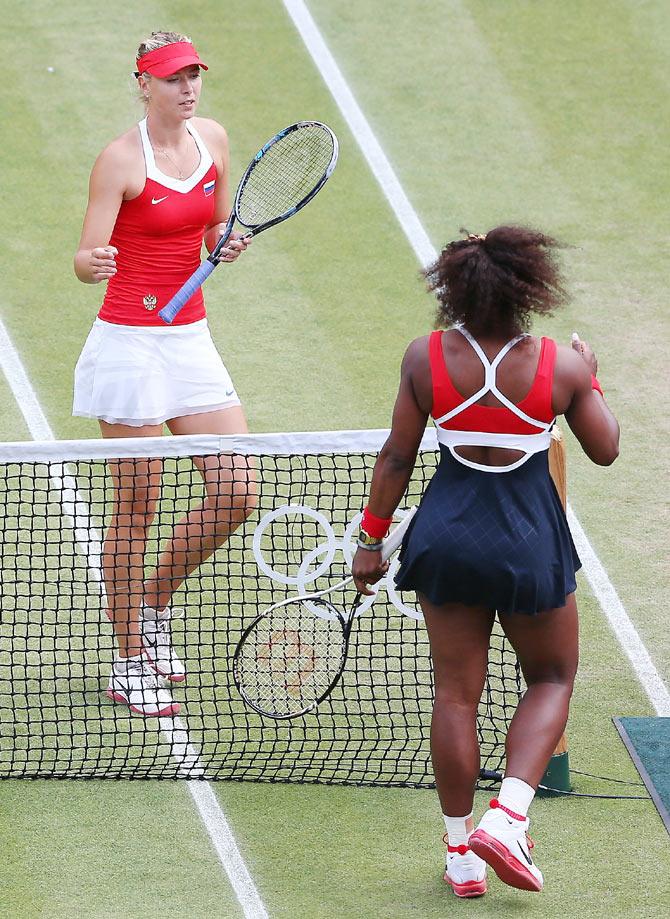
point(490, 535)
point(156, 192)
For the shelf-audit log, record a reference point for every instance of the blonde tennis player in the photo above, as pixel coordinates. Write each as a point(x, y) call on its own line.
point(156, 192)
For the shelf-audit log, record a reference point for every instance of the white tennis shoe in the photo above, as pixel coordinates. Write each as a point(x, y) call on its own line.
point(465, 872)
point(135, 684)
point(157, 644)
point(502, 840)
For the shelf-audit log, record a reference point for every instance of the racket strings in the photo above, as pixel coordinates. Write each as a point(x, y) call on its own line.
point(285, 175)
point(291, 657)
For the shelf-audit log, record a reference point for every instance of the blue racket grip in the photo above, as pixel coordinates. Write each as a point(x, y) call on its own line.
point(185, 293)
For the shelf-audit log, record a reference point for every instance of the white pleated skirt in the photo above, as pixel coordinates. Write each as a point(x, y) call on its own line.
point(139, 375)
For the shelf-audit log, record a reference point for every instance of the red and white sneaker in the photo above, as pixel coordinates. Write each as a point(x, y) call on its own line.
point(502, 840)
point(157, 644)
point(135, 684)
point(465, 872)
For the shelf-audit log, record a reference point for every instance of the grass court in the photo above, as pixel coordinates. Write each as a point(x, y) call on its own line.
point(552, 114)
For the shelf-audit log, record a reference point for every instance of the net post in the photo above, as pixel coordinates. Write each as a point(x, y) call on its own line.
point(556, 778)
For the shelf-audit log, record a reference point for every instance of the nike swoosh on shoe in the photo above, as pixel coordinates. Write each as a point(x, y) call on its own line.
point(524, 853)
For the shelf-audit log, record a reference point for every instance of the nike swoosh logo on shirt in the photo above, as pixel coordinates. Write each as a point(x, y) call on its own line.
point(158, 200)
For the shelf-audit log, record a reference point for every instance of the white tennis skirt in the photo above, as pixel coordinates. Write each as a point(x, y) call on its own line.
point(139, 375)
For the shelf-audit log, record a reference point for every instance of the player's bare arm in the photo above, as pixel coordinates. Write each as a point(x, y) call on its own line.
point(397, 457)
point(117, 175)
point(585, 409)
point(216, 138)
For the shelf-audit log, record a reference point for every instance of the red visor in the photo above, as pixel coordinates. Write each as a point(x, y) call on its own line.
point(165, 61)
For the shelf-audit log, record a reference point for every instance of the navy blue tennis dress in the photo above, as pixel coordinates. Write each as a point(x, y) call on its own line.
point(493, 536)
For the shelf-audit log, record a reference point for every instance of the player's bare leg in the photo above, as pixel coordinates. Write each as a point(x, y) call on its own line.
point(136, 489)
point(230, 496)
point(547, 648)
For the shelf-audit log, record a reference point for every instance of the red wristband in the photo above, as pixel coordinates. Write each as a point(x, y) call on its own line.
point(596, 385)
point(374, 526)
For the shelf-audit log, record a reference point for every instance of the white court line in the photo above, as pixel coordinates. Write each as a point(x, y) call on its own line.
point(370, 146)
point(600, 583)
point(75, 511)
point(619, 620)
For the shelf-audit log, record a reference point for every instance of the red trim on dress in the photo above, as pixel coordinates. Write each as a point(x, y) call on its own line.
point(492, 419)
point(159, 238)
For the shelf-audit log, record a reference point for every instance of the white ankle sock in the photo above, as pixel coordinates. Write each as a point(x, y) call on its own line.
point(121, 663)
point(516, 795)
point(148, 612)
point(457, 834)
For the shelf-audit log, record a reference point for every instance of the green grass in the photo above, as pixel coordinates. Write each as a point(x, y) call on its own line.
point(106, 849)
point(553, 114)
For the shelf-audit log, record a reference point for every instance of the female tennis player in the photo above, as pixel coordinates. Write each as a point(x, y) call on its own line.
point(490, 533)
point(155, 194)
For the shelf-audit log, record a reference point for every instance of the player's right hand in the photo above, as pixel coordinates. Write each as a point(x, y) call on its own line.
point(368, 568)
point(103, 263)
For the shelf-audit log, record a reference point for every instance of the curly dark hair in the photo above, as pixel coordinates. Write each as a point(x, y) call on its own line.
point(493, 283)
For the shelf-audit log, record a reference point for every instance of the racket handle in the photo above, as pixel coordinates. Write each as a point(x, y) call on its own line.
point(184, 294)
point(395, 537)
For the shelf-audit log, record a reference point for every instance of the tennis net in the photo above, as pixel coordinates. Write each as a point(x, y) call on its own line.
point(57, 645)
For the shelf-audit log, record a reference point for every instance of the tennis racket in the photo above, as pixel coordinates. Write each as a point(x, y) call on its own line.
point(293, 655)
point(281, 179)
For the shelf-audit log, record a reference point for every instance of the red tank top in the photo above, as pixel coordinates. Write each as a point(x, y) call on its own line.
point(159, 240)
point(486, 418)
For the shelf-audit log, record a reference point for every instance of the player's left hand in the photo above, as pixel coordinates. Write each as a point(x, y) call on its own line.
point(585, 351)
point(235, 245)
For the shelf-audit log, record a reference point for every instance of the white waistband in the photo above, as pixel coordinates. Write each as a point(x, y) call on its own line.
point(529, 444)
point(189, 328)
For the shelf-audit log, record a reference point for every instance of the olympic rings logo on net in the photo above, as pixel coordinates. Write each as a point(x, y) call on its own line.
point(317, 561)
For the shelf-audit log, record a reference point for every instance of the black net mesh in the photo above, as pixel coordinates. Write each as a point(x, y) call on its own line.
point(287, 173)
point(57, 645)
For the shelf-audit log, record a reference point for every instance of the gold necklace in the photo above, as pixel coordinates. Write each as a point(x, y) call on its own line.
point(163, 152)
